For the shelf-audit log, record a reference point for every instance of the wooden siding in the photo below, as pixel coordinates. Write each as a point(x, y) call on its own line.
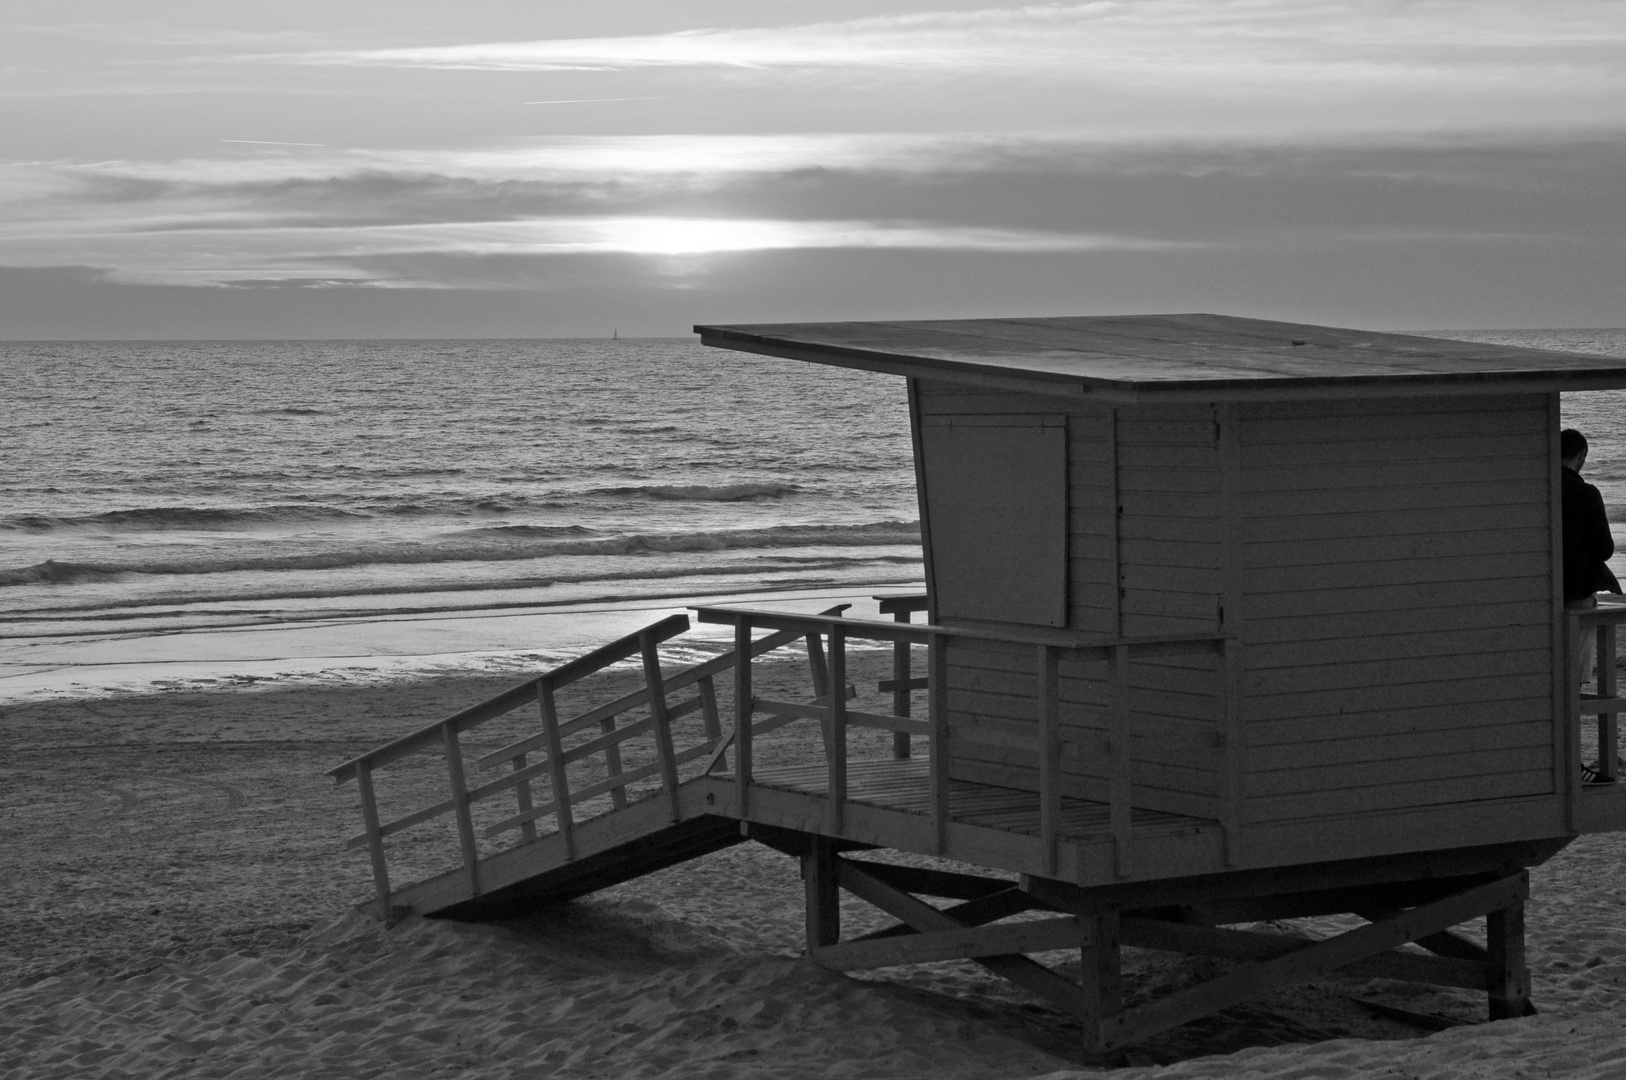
point(1395, 562)
point(1159, 576)
point(1169, 485)
point(1386, 565)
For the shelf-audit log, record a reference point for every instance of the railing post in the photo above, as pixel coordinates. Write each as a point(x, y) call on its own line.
point(901, 695)
point(1118, 782)
point(1572, 719)
point(460, 807)
point(937, 653)
point(375, 839)
point(612, 763)
point(663, 722)
point(1608, 735)
point(817, 668)
point(556, 767)
point(710, 715)
point(522, 795)
point(743, 708)
point(836, 727)
point(1049, 702)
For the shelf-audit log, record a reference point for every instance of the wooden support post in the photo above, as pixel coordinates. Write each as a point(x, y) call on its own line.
point(375, 839)
point(556, 767)
point(612, 762)
point(1049, 703)
point(835, 729)
point(1507, 981)
point(662, 717)
point(902, 670)
point(1100, 975)
point(460, 807)
point(1118, 777)
point(937, 652)
point(522, 796)
point(743, 709)
point(1608, 734)
point(822, 892)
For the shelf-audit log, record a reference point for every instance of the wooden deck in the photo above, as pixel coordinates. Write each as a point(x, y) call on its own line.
point(905, 786)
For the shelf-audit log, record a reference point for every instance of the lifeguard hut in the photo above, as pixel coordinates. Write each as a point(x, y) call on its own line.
point(1227, 620)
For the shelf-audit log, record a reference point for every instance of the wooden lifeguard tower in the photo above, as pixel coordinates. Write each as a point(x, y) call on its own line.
point(1227, 621)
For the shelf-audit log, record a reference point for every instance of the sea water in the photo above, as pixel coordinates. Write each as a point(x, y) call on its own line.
point(208, 513)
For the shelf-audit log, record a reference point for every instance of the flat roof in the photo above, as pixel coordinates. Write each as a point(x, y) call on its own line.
point(1144, 358)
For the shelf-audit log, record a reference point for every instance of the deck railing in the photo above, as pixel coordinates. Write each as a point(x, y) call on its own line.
point(1606, 704)
point(1049, 648)
point(591, 744)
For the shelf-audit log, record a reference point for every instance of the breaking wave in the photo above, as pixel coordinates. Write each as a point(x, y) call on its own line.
point(485, 545)
point(182, 517)
point(706, 492)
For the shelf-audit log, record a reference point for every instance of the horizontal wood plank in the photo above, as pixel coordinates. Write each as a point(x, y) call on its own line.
point(1397, 722)
point(1367, 800)
point(1367, 699)
point(1472, 734)
point(1333, 555)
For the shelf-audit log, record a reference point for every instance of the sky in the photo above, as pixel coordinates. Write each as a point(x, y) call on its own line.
point(192, 169)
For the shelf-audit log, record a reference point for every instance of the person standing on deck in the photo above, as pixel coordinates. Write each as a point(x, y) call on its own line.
point(1588, 543)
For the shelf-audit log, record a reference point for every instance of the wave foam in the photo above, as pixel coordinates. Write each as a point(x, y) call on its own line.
point(488, 545)
point(706, 492)
point(182, 517)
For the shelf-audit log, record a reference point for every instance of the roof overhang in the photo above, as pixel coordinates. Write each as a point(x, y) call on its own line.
point(1176, 358)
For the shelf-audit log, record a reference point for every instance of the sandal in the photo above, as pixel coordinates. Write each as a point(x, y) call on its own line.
point(1591, 777)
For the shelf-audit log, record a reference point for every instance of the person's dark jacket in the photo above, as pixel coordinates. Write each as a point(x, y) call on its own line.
point(1587, 540)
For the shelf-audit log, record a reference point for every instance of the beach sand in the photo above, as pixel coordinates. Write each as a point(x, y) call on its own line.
point(176, 902)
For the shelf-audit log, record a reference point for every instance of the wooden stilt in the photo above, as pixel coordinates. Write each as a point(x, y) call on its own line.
point(1507, 981)
point(1100, 975)
point(823, 894)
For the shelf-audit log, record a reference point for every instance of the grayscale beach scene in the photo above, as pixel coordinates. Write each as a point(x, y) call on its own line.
point(656, 543)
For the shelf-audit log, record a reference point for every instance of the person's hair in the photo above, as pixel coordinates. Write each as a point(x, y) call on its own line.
point(1571, 443)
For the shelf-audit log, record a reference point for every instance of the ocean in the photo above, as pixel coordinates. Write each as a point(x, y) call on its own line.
point(194, 514)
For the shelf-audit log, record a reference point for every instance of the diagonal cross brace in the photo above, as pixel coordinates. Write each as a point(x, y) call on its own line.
point(1313, 961)
point(1028, 974)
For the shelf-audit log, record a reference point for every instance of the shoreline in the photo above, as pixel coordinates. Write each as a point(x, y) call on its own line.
point(378, 650)
point(178, 901)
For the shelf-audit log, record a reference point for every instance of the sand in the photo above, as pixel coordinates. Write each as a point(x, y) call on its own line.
point(176, 902)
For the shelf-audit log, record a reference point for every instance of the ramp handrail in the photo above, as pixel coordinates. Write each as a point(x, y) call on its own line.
point(1050, 647)
point(550, 740)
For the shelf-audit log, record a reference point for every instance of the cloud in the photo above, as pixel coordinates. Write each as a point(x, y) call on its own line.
point(1162, 67)
point(1159, 37)
point(417, 218)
